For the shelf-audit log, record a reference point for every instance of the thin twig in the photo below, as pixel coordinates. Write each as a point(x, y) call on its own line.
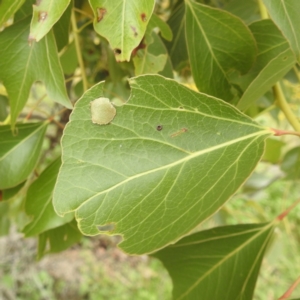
point(289, 292)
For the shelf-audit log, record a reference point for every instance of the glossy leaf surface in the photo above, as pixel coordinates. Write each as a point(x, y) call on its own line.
point(23, 64)
point(45, 15)
point(286, 16)
point(170, 158)
point(19, 153)
point(220, 263)
point(210, 56)
point(122, 23)
point(39, 203)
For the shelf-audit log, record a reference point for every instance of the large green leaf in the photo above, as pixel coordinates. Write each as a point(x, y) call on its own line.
point(19, 152)
point(22, 65)
point(39, 203)
point(122, 22)
point(215, 52)
point(274, 60)
point(8, 8)
point(170, 158)
point(286, 16)
point(45, 14)
point(220, 263)
point(58, 239)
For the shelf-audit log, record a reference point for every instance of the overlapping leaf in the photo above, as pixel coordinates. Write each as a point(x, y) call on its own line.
point(45, 14)
point(220, 263)
point(286, 16)
point(274, 60)
point(177, 47)
point(23, 64)
point(58, 239)
point(169, 159)
point(39, 203)
point(8, 8)
point(217, 43)
point(19, 152)
point(122, 23)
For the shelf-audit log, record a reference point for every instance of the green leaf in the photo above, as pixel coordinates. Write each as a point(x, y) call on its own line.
point(58, 239)
point(39, 205)
point(45, 14)
point(220, 263)
point(247, 10)
point(210, 56)
point(273, 151)
point(4, 218)
point(19, 153)
point(274, 60)
point(147, 60)
point(170, 158)
point(177, 47)
point(164, 28)
point(10, 193)
point(62, 27)
point(24, 11)
point(23, 64)
point(291, 164)
point(269, 75)
point(8, 8)
point(122, 23)
point(69, 60)
point(285, 14)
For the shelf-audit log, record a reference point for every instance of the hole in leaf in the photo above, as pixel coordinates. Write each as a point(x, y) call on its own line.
point(107, 227)
point(118, 51)
point(159, 127)
point(100, 13)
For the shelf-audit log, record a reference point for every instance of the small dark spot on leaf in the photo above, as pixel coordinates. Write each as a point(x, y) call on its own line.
point(100, 13)
point(43, 16)
point(144, 17)
point(180, 107)
point(107, 227)
point(118, 51)
point(285, 58)
point(159, 127)
point(134, 31)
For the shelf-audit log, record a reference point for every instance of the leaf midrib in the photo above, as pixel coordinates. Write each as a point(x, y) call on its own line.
point(188, 157)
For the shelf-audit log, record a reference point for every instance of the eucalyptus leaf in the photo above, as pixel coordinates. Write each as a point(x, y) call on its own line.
point(210, 56)
point(8, 194)
point(285, 14)
point(19, 152)
point(170, 158)
point(164, 28)
point(45, 14)
point(38, 203)
point(22, 67)
point(219, 263)
point(122, 23)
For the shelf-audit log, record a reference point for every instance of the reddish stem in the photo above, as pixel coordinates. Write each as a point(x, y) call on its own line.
point(289, 292)
point(287, 211)
point(279, 132)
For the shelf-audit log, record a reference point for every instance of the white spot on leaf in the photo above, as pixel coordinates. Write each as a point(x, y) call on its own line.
point(103, 111)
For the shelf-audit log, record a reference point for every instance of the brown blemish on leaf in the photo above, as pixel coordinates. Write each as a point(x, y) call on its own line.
point(43, 16)
point(134, 31)
point(31, 39)
point(144, 17)
point(159, 127)
point(141, 45)
point(100, 12)
point(182, 130)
